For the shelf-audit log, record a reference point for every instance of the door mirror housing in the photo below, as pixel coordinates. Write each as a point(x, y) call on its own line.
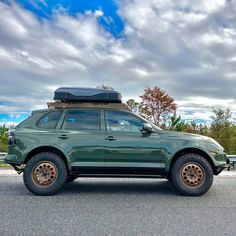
point(147, 128)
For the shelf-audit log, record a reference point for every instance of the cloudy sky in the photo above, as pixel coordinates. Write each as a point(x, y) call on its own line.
point(186, 47)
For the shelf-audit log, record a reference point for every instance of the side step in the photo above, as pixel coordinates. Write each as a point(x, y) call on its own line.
point(119, 176)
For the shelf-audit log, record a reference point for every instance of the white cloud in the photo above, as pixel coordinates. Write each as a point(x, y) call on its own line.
point(186, 47)
point(140, 72)
point(8, 124)
point(98, 13)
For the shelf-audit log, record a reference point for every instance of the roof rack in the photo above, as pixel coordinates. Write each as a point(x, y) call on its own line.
point(58, 105)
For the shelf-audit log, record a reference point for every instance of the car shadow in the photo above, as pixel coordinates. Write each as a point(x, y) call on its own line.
point(119, 186)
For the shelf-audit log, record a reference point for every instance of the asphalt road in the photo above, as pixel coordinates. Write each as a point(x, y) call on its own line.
point(117, 207)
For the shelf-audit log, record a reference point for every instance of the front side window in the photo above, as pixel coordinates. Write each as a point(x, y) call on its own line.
point(82, 120)
point(50, 120)
point(122, 121)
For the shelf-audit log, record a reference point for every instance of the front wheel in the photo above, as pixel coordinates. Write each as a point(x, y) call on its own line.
point(192, 175)
point(45, 174)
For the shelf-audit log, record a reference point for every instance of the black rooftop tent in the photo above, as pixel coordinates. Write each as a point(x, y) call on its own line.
point(66, 94)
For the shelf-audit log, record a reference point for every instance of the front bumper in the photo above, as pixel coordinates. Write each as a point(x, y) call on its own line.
point(221, 162)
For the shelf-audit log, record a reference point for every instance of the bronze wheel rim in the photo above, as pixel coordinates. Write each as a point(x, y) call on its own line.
point(192, 175)
point(44, 174)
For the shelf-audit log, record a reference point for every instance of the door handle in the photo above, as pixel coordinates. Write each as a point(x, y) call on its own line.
point(63, 136)
point(110, 138)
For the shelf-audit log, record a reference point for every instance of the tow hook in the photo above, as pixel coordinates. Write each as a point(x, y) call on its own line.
point(19, 169)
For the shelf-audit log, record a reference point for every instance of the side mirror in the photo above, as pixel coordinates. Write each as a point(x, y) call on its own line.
point(147, 127)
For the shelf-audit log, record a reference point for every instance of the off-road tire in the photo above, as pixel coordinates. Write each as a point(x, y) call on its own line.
point(191, 175)
point(58, 174)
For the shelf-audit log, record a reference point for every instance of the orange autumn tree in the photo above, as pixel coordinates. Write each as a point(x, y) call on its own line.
point(156, 103)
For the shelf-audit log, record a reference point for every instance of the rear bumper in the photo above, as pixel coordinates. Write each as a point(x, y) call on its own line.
point(18, 167)
point(12, 160)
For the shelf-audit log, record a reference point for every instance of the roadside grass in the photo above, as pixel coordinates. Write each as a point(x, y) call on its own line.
point(3, 165)
point(2, 152)
point(233, 152)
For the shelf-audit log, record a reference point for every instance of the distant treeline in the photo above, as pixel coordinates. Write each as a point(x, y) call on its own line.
point(3, 138)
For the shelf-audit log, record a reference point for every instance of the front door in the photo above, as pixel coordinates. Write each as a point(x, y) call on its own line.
point(127, 148)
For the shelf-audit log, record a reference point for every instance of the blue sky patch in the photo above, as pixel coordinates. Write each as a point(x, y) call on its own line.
point(16, 118)
point(111, 21)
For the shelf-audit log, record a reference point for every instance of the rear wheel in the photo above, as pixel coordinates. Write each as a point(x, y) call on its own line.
point(45, 174)
point(192, 175)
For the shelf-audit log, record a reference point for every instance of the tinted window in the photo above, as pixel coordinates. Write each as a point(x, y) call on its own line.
point(82, 120)
point(50, 120)
point(122, 121)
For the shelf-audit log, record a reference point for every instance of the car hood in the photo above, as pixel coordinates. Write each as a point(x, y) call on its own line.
point(183, 135)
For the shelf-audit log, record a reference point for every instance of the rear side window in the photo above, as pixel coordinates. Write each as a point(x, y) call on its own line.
point(50, 120)
point(82, 120)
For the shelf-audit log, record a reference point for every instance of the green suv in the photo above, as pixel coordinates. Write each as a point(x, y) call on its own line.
point(70, 140)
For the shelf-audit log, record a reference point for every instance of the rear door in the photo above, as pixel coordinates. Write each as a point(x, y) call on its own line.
point(82, 138)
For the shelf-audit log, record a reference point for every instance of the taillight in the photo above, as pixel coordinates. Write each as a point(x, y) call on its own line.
point(11, 138)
